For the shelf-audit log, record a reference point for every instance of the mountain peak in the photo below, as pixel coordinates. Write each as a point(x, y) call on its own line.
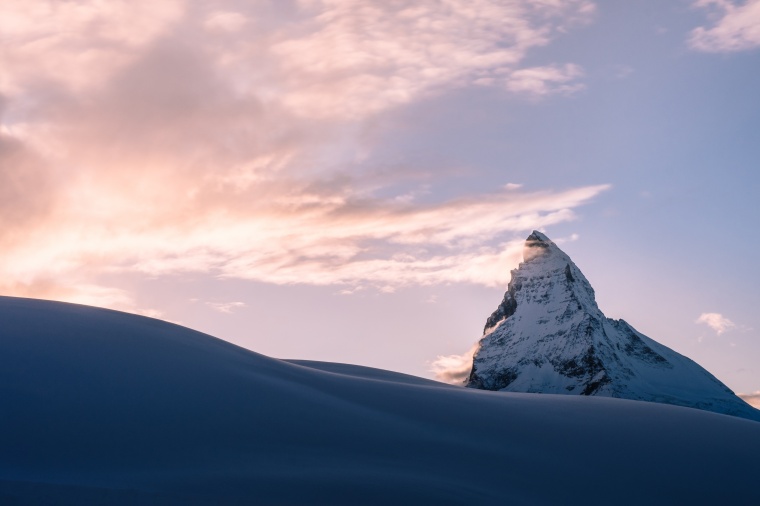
point(549, 336)
point(537, 245)
point(546, 273)
point(539, 248)
point(538, 236)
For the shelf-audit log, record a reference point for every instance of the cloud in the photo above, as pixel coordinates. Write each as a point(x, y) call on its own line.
point(570, 238)
point(301, 240)
point(76, 44)
point(541, 81)
point(225, 21)
point(736, 27)
point(454, 369)
point(717, 322)
point(752, 399)
point(27, 188)
point(354, 57)
point(224, 138)
point(225, 307)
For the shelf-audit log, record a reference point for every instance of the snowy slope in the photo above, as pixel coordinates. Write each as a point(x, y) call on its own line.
point(549, 336)
point(102, 407)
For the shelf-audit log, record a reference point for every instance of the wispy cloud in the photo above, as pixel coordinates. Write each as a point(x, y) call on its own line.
point(221, 138)
point(225, 307)
point(736, 26)
point(716, 321)
point(304, 240)
point(354, 57)
point(454, 369)
point(541, 81)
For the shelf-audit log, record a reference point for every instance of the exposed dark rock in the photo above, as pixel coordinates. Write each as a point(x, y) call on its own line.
point(636, 347)
point(506, 309)
point(569, 274)
point(497, 381)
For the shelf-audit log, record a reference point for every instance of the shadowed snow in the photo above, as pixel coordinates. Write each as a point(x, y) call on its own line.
point(105, 407)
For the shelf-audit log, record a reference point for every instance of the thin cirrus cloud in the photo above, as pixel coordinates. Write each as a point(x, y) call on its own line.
point(736, 26)
point(218, 138)
point(542, 81)
point(225, 307)
point(311, 242)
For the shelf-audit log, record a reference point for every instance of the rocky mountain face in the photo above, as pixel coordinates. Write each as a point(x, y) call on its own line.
point(549, 336)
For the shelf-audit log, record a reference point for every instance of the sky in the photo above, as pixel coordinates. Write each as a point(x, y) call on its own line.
point(352, 180)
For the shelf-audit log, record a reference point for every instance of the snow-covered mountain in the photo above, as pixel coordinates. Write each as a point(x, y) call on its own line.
point(101, 407)
point(549, 336)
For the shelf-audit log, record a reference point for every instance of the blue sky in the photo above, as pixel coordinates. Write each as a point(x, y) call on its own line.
point(350, 180)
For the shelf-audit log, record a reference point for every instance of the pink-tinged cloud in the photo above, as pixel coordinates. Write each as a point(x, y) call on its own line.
point(736, 26)
point(225, 307)
point(221, 138)
point(330, 242)
point(226, 21)
point(752, 399)
point(355, 57)
point(717, 322)
point(454, 369)
point(76, 44)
